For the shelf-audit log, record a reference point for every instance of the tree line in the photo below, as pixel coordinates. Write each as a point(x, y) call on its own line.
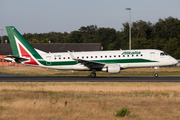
point(163, 35)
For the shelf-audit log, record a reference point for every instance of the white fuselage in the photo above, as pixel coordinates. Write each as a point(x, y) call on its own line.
point(124, 58)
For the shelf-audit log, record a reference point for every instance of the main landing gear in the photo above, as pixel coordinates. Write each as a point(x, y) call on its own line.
point(155, 69)
point(93, 74)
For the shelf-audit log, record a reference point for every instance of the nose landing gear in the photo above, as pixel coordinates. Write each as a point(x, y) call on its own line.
point(155, 75)
point(155, 69)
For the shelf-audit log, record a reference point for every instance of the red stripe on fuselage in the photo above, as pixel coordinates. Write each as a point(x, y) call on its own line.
point(25, 54)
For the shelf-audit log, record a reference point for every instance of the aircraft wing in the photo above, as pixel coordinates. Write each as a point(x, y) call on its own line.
point(87, 63)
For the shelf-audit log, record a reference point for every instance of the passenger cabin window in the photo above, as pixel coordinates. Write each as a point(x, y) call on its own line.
point(114, 55)
point(136, 55)
point(105, 56)
point(132, 55)
point(82, 57)
point(127, 55)
point(87, 57)
point(101, 56)
point(68, 57)
point(77, 57)
point(119, 56)
point(95, 56)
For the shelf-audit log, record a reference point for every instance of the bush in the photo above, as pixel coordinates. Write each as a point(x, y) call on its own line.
point(122, 112)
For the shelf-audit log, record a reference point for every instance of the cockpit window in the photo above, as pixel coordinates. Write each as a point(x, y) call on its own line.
point(163, 53)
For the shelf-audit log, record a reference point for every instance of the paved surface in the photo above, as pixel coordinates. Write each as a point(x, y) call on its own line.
point(21, 78)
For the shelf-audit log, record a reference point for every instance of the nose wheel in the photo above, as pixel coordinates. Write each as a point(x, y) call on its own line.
point(155, 73)
point(93, 74)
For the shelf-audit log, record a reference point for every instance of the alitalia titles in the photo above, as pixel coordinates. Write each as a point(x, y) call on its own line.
point(131, 53)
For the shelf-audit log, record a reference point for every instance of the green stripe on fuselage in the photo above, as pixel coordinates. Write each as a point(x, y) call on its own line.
point(59, 63)
point(110, 61)
point(124, 61)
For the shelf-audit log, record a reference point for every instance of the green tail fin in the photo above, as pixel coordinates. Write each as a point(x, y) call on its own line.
point(19, 45)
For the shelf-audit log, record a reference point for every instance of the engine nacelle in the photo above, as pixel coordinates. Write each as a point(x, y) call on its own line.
point(112, 69)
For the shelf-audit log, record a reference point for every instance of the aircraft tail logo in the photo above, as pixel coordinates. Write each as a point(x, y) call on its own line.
point(21, 48)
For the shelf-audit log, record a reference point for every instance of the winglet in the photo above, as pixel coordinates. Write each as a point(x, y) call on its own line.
point(72, 56)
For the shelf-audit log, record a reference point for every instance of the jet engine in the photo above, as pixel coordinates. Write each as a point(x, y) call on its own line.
point(112, 69)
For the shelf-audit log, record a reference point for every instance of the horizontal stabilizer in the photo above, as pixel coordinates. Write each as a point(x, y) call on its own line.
point(19, 59)
point(8, 59)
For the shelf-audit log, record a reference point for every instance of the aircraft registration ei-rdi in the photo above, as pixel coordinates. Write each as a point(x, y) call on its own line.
point(107, 61)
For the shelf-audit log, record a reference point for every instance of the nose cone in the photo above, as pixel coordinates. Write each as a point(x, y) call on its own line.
point(177, 62)
point(174, 61)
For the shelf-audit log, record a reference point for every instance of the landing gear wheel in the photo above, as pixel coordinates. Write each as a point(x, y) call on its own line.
point(155, 75)
point(93, 74)
point(155, 69)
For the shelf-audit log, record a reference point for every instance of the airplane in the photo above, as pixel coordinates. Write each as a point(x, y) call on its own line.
point(108, 61)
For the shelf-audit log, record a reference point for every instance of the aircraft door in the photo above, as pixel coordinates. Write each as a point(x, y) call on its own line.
point(152, 56)
point(48, 60)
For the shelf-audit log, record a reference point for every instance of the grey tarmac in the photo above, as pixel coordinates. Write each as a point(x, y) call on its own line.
point(22, 78)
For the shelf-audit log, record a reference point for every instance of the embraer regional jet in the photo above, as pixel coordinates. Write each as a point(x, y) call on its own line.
point(107, 61)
